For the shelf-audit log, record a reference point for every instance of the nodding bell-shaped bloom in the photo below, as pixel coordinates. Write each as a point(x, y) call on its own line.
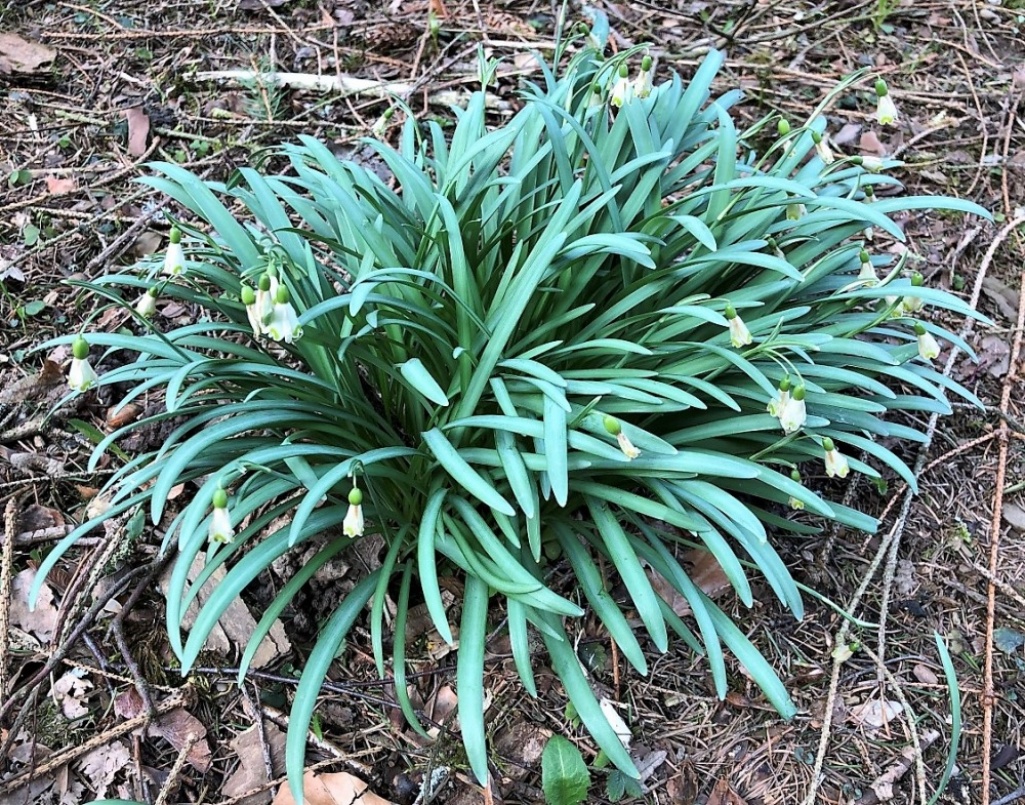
point(353, 524)
point(795, 503)
point(794, 414)
point(836, 462)
point(283, 324)
point(776, 250)
point(263, 305)
point(221, 531)
point(740, 336)
point(928, 347)
point(146, 306)
point(867, 273)
point(822, 148)
point(644, 83)
point(380, 127)
point(871, 164)
point(81, 375)
point(615, 429)
point(174, 258)
point(622, 90)
point(779, 402)
point(913, 304)
point(886, 109)
point(248, 297)
point(796, 211)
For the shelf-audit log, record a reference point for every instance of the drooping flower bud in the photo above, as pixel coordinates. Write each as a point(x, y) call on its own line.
point(740, 336)
point(886, 109)
point(836, 462)
point(283, 324)
point(928, 347)
point(778, 403)
point(621, 90)
point(783, 127)
point(615, 429)
point(822, 148)
point(794, 414)
point(868, 271)
point(221, 531)
point(81, 376)
point(174, 258)
point(146, 306)
point(644, 83)
point(795, 503)
point(354, 524)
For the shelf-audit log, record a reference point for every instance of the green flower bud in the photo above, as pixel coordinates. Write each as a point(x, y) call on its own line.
point(784, 384)
point(881, 89)
point(827, 444)
point(176, 235)
point(795, 475)
point(624, 71)
point(80, 348)
point(863, 256)
point(917, 279)
point(730, 311)
point(783, 127)
point(919, 328)
point(646, 63)
point(264, 282)
point(612, 425)
point(220, 498)
point(816, 137)
point(798, 392)
point(248, 295)
point(281, 296)
point(355, 497)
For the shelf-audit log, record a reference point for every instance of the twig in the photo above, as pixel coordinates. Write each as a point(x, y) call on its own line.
point(23, 778)
point(344, 84)
point(179, 763)
point(988, 693)
point(6, 569)
point(1018, 793)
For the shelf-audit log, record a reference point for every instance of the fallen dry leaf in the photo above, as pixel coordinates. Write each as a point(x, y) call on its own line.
point(138, 130)
point(522, 743)
point(58, 186)
point(251, 772)
point(40, 622)
point(875, 713)
point(1014, 515)
point(71, 691)
point(236, 626)
point(174, 727)
point(925, 675)
point(19, 55)
point(340, 788)
point(101, 765)
point(704, 570)
point(723, 794)
point(869, 143)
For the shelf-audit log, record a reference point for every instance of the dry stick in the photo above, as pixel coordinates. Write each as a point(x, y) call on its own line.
point(898, 526)
point(23, 778)
point(179, 763)
point(6, 567)
point(994, 546)
point(1018, 793)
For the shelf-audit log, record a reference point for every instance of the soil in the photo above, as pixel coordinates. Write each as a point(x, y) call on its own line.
point(91, 92)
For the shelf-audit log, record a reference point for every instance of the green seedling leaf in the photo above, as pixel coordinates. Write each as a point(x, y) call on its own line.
point(564, 777)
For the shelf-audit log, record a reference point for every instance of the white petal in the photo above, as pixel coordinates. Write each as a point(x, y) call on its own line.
point(220, 527)
point(174, 260)
point(81, 375)
point(353, 524)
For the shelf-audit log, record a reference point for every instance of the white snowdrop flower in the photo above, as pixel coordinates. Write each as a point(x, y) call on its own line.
point(886, 109)
point(146, 306)
point(740, 336)
point(284, 323)
point(836, 462)
point(81, 376)
point(354, 524)
point(928, 347)
point(221, 531)
point(174, 257)
point(794, 414)
point(622, 90)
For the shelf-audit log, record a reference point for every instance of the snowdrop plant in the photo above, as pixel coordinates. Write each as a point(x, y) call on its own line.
point(523, 359)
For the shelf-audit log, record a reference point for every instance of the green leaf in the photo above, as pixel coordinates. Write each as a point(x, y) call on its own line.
point(416, 373)
point(564, 777)
point(456, 466)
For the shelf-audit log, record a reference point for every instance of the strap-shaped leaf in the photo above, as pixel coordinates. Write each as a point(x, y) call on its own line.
point(416, 373)
point(470, 675)
point(456, 466)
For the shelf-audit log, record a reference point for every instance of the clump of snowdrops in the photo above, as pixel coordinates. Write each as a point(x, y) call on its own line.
point(546, 355)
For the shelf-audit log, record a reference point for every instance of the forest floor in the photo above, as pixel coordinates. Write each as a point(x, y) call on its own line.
point(90, 92)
